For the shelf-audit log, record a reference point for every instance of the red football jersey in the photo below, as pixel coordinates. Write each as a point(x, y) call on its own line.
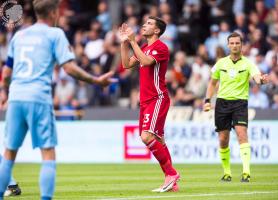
point(152, 78)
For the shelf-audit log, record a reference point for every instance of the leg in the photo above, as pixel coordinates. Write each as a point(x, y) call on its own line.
point(158, 150)
point(13, 188)
point(152, 126)
point(6, 167)
point(43, 130)
point(245, 149)
point(240, 121)
point(223, 123)
point(15, 132)
point(12, 181)
point(224, 153)
point(47, 174)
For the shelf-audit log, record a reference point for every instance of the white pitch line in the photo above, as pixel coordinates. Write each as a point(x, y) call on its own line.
point(191, 195)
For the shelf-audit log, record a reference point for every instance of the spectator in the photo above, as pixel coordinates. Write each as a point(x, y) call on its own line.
point(212, 41)
point(200, 67)
point(104, 16)
point(257, 99)
point(223, 35)
point(95, 46)
point(170, 35)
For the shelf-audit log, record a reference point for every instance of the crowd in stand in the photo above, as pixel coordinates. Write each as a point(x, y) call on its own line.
point(196, 36)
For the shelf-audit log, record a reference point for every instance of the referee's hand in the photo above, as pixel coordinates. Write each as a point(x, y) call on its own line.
point(207, 107)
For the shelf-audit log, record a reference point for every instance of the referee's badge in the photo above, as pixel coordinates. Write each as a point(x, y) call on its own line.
point(232, 73)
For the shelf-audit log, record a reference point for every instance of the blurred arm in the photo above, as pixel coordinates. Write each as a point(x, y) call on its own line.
point(126, 61)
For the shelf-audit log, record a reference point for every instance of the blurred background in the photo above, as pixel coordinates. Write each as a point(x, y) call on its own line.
point(196, 36)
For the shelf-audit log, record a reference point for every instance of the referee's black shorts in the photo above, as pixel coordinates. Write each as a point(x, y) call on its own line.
point(230, 113)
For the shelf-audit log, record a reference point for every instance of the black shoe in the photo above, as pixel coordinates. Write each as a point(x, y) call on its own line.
point(13, 190)
point(226, 178)
point(245, 178)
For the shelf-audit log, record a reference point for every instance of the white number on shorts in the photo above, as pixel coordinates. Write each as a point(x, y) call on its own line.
point(146, 118)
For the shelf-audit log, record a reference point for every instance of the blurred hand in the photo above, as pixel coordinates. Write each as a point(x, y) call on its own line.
point(207, 107)
point(106, 79)
point(3, 100)
point(265, 78)
point(130, 34)
point(122, 33)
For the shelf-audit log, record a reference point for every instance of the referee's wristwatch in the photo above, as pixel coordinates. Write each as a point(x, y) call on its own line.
point(207, 100)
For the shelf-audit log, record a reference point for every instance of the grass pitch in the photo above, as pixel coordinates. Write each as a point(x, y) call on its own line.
point(134, 182)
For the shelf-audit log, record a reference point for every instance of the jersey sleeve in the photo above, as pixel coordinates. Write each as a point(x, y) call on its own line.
point(159, 53)
point(253, 69)
point(215, 71)
point(62, 49)
point(10, 57)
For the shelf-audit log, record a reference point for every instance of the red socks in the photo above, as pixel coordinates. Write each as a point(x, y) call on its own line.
point(162, 155)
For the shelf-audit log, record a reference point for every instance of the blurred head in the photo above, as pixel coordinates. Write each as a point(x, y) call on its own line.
point(47, 9)
point(102, 7)
point(253, 18)
point(224, 26)
point(240, 19)
point(260, 7)
point(167, 18)
point(180, 57)
point(153, 11)
point(275, 99)
point(164, 8)
point(235, 43)
point(153, 26)
point(255, 89)
point(220, 53)
point(214, 28)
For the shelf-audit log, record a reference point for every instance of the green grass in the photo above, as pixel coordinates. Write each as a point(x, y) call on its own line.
point(134, 181)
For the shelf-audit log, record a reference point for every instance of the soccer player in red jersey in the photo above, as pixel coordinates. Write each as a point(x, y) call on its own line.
point(153, 58)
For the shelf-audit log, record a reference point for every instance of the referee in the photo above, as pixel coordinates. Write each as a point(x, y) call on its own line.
point(233, 72)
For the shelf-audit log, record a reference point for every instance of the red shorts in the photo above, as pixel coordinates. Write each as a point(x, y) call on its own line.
point(153, 115)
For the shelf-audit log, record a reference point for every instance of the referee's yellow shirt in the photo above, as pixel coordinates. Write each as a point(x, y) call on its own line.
point(233, 77)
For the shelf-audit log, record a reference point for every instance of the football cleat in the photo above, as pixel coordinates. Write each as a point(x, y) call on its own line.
point(174, 189)
point(226, 178)
point(12, 190)
point(170, 182)
point(245, 178)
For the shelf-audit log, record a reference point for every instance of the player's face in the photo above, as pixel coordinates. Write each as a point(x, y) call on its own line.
point(235, 45)
point(149, 28)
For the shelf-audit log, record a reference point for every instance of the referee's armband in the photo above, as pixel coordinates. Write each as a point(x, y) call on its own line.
point(10, 62)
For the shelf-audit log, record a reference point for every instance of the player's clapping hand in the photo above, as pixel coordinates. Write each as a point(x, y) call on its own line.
point(122, 33)
point(130, 33)
point(106, 79)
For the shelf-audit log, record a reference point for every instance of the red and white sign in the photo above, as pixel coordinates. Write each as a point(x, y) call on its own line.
point(134, 148)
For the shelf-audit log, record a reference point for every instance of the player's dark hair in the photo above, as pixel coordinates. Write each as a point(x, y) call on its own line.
point(42, 8)
point(159, 24)
point(235, 34)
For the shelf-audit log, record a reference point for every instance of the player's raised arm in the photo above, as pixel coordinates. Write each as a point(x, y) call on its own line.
point(75, 71)
point(128, 62)
point(144, 59)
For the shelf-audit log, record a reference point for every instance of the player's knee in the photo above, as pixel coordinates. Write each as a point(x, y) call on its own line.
point(146, 137)
point(48, 153)
point(224, 142)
